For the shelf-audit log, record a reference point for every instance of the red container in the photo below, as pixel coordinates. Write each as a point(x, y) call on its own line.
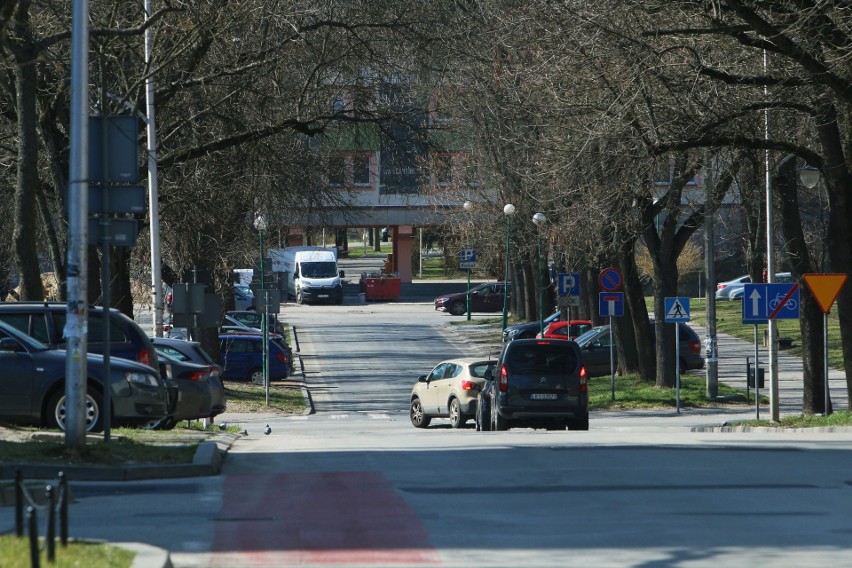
point(382, 288)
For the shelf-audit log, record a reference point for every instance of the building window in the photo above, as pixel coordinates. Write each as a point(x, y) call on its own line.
point(336, 170)
point(361, 170)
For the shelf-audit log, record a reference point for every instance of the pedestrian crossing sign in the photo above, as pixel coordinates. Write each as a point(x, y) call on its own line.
point(677, 310)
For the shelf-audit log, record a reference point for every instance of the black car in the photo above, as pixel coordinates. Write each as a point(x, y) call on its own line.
point(529, 329)
point(539, 383)
point(193, 352)
point(595, 345)
point(487, 297)
point(252, 319)
point(45, 322)
point(195, 397)
point(32, 386)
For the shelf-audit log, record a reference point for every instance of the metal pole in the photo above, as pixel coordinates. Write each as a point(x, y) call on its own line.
point(611, 358)
point(712, 360)
point(506, 277)
point(106, 240)
point(153, 199)
point(755, 374)
point(774, 406)
point(677, 366)
point(76, 330)
point(541, 292)
point(264, 320)
point(468, 294)
point(826, 406)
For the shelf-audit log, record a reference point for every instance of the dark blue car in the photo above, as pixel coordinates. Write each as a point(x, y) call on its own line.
point(241, 357)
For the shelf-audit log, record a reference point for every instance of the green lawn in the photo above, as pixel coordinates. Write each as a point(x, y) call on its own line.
point(15, 553)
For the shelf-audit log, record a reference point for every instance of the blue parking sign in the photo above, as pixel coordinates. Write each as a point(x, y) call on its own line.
point(568, 284)
point(467, 258)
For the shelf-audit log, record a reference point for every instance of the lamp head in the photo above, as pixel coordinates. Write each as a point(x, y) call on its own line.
point(509, 209)
point(260, 223)
point(467, 205)
point(539, 219)
point(809, 176)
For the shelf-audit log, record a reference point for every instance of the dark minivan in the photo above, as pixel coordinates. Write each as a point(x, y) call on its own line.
point(539, 383)
point(45, 321)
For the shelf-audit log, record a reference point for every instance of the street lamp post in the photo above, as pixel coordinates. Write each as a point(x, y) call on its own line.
point(260, 225)
point(539, 220)
point(467, 207)
point(508, 211)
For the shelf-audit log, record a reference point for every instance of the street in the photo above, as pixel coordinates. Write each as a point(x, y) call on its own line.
point(355, 484)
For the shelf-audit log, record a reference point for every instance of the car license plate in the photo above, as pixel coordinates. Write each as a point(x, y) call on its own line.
point(322, 296)
point(543, 396)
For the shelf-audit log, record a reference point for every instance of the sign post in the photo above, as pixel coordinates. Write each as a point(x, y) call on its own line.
point(677, 312)
point(825, 288)
point(467, 260)
point(611, 304)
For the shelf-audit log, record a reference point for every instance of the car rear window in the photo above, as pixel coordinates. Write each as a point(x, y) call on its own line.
point(478, 369)
point(542, 358)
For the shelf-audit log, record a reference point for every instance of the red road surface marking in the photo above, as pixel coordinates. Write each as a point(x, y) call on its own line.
point(317, 518)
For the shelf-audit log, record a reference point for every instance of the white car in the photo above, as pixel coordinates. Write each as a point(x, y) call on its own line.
point(449, 391)
point(735, 289)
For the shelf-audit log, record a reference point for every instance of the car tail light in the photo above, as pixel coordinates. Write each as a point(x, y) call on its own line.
point(467, 385)
point(281, 358)
point(144, 357)
point(196, 376)
point(695, 346)
point(720, 286)
point(504, 379)
point(583, 379)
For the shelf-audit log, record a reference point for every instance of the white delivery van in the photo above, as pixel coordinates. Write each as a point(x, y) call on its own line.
point(311, 273)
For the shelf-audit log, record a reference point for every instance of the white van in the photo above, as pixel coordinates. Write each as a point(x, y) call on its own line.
point(311, 273)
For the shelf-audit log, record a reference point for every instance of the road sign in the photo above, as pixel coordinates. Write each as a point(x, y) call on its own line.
point(677, 309)
point(763, 302)
point(467, 259)
point(611, 304)
point(825, 288)
point(568, 301)
point(610, 279)
point(568, 284)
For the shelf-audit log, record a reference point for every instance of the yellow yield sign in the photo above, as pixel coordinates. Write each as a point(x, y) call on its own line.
point(825, 288)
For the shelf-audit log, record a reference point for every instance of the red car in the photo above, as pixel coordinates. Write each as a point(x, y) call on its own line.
point(566, 329)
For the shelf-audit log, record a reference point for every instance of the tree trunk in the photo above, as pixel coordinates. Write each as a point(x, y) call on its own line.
point(636, 317)
point(810, 318)
point(23, 236)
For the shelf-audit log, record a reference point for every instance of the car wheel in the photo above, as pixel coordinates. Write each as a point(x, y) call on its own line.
point(457, 419)
point(92, 411)
point(167, 423)
point(418, 417)
point(152, 425)
point(498, 423)
point(579, 423)
point(256, 376)
point(458, 308)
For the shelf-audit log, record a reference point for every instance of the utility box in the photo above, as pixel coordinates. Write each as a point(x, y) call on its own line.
point(760, 373)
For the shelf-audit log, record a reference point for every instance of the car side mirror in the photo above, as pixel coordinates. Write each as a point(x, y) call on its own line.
point(489, 375)
point(9, 345)
point(423, 379)
point(342, 274)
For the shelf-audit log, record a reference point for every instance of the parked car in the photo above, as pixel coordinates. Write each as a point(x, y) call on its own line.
point(251, 318)
point(595, 346)
point(32, 386)
point(724, 289)
point(487, 297)
point(45, 322)
point(539, 383)
point(529, 329)
point(566, 329)
point(193, 352)
point(737, 292)
point(243, 297)
point(449, 391)
point(195, 398)
point(241, 357)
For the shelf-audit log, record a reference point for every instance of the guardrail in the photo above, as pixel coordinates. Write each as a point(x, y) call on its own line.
point(54, 499)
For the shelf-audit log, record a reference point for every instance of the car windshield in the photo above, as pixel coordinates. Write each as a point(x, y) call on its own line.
point(590, 335)
point(319, 269)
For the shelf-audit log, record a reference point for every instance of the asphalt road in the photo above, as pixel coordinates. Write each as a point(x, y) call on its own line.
point(356, 485)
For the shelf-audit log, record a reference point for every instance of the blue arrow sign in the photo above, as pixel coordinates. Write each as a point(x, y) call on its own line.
point(568, 284)
point(611, 304)
point(677, 309)
point(763, 302)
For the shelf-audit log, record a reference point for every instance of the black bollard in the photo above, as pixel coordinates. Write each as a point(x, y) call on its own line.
point(51, 524)
point(33, 530)
point(19, 503)
point(63, 510)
